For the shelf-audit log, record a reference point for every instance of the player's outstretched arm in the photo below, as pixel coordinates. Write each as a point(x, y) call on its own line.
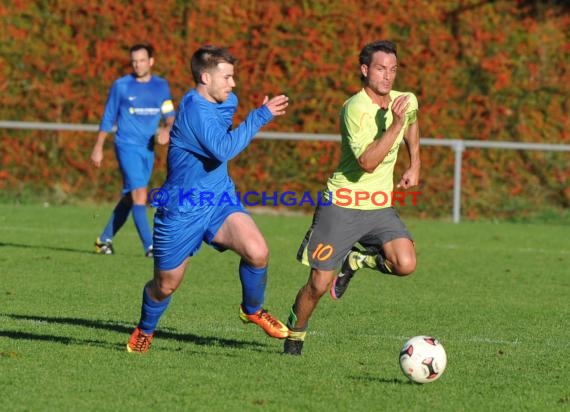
point(277, 104)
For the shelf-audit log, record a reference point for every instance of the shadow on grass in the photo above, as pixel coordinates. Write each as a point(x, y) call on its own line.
point(46, 247)
point(376, 379)
point(57, 339)
point(120, 328)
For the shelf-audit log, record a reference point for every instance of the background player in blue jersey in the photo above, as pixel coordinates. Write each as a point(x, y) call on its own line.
point(136, 103)
point(201, 144)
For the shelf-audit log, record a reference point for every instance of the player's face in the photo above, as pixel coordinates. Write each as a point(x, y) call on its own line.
point(381, 73)
point(220, 82)
point(141, 63)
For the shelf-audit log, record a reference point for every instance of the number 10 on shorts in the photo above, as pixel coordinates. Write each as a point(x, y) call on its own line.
point(323, 252)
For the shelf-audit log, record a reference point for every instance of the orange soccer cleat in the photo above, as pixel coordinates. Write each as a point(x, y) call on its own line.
point(270, 324)
point(139, 341)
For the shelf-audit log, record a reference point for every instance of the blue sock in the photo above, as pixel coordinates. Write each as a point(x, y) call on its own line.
point(141, 222)
point(253, 282)
point(117, 220)
point(151, 312)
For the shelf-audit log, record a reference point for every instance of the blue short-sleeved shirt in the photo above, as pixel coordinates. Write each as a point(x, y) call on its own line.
point(136, 108)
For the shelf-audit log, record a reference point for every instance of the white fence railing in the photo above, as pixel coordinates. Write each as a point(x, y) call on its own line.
point(458, 146)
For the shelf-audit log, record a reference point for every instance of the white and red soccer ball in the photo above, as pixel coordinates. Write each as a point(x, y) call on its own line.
point(423, 359)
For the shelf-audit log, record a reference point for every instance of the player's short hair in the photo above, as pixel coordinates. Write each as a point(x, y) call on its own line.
point(206, 58)
point(368, 51)
point(142, 46)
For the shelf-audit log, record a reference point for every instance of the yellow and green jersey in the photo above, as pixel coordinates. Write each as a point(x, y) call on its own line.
point(361, 122)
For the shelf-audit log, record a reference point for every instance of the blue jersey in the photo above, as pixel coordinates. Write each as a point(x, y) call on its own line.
point(137, 108)
point(201, 144)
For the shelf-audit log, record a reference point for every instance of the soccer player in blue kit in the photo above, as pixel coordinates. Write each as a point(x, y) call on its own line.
point(137, 103)
point(201, 144)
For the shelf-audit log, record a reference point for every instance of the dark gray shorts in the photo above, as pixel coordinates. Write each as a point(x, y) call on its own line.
point(335, 230)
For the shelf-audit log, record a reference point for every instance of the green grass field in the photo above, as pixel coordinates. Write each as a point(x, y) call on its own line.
point(496, 295)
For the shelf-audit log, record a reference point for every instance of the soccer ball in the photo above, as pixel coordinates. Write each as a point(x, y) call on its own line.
point(423, 359)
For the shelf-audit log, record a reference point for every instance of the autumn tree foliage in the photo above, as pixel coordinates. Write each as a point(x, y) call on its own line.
point(482, 70)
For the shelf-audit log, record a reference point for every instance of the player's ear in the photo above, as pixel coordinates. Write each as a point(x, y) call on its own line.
point(205, 78)
point(151, 61)
point(364, 70)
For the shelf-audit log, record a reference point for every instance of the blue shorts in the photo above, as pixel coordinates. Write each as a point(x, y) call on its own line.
point(136, 163)
point(177, 236)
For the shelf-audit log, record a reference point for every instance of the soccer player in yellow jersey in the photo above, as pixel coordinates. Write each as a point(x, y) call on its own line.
point(373, 123)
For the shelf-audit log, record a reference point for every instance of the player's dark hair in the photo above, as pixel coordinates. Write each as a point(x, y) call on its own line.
point(149, 49)
point(206, 58)
point(368, 51)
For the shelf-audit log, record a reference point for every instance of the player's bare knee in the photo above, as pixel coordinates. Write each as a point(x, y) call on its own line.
point(320, 283)
point(139, 196)
point(258, 262)
point(257, 256)
point(165, 283)
point(405, 266)
point(160, 291)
